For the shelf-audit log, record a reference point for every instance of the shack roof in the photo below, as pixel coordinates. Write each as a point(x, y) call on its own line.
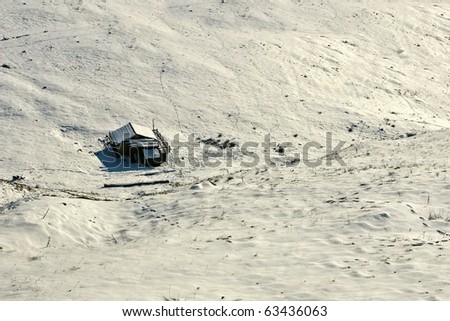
point(130, 131)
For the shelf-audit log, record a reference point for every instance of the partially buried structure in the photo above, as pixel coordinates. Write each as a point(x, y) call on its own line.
point(140, 144)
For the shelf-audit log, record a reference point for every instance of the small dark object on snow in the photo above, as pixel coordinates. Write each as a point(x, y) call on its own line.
point(410, 134)
point(17, 178)
point(216, 142)
point(443, 233)
point(280, 149)
point(6, 66)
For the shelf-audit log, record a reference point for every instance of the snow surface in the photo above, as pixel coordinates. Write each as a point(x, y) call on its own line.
point(375, 74)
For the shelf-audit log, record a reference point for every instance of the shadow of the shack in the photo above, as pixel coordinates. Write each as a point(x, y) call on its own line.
point(112, 162)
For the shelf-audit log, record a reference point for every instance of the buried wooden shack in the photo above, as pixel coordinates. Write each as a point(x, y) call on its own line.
point(139, 144)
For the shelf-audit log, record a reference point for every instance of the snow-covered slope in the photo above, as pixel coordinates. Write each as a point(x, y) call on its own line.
point(373, 74)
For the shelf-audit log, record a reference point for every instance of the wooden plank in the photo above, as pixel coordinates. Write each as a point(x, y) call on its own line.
point(137, 184)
